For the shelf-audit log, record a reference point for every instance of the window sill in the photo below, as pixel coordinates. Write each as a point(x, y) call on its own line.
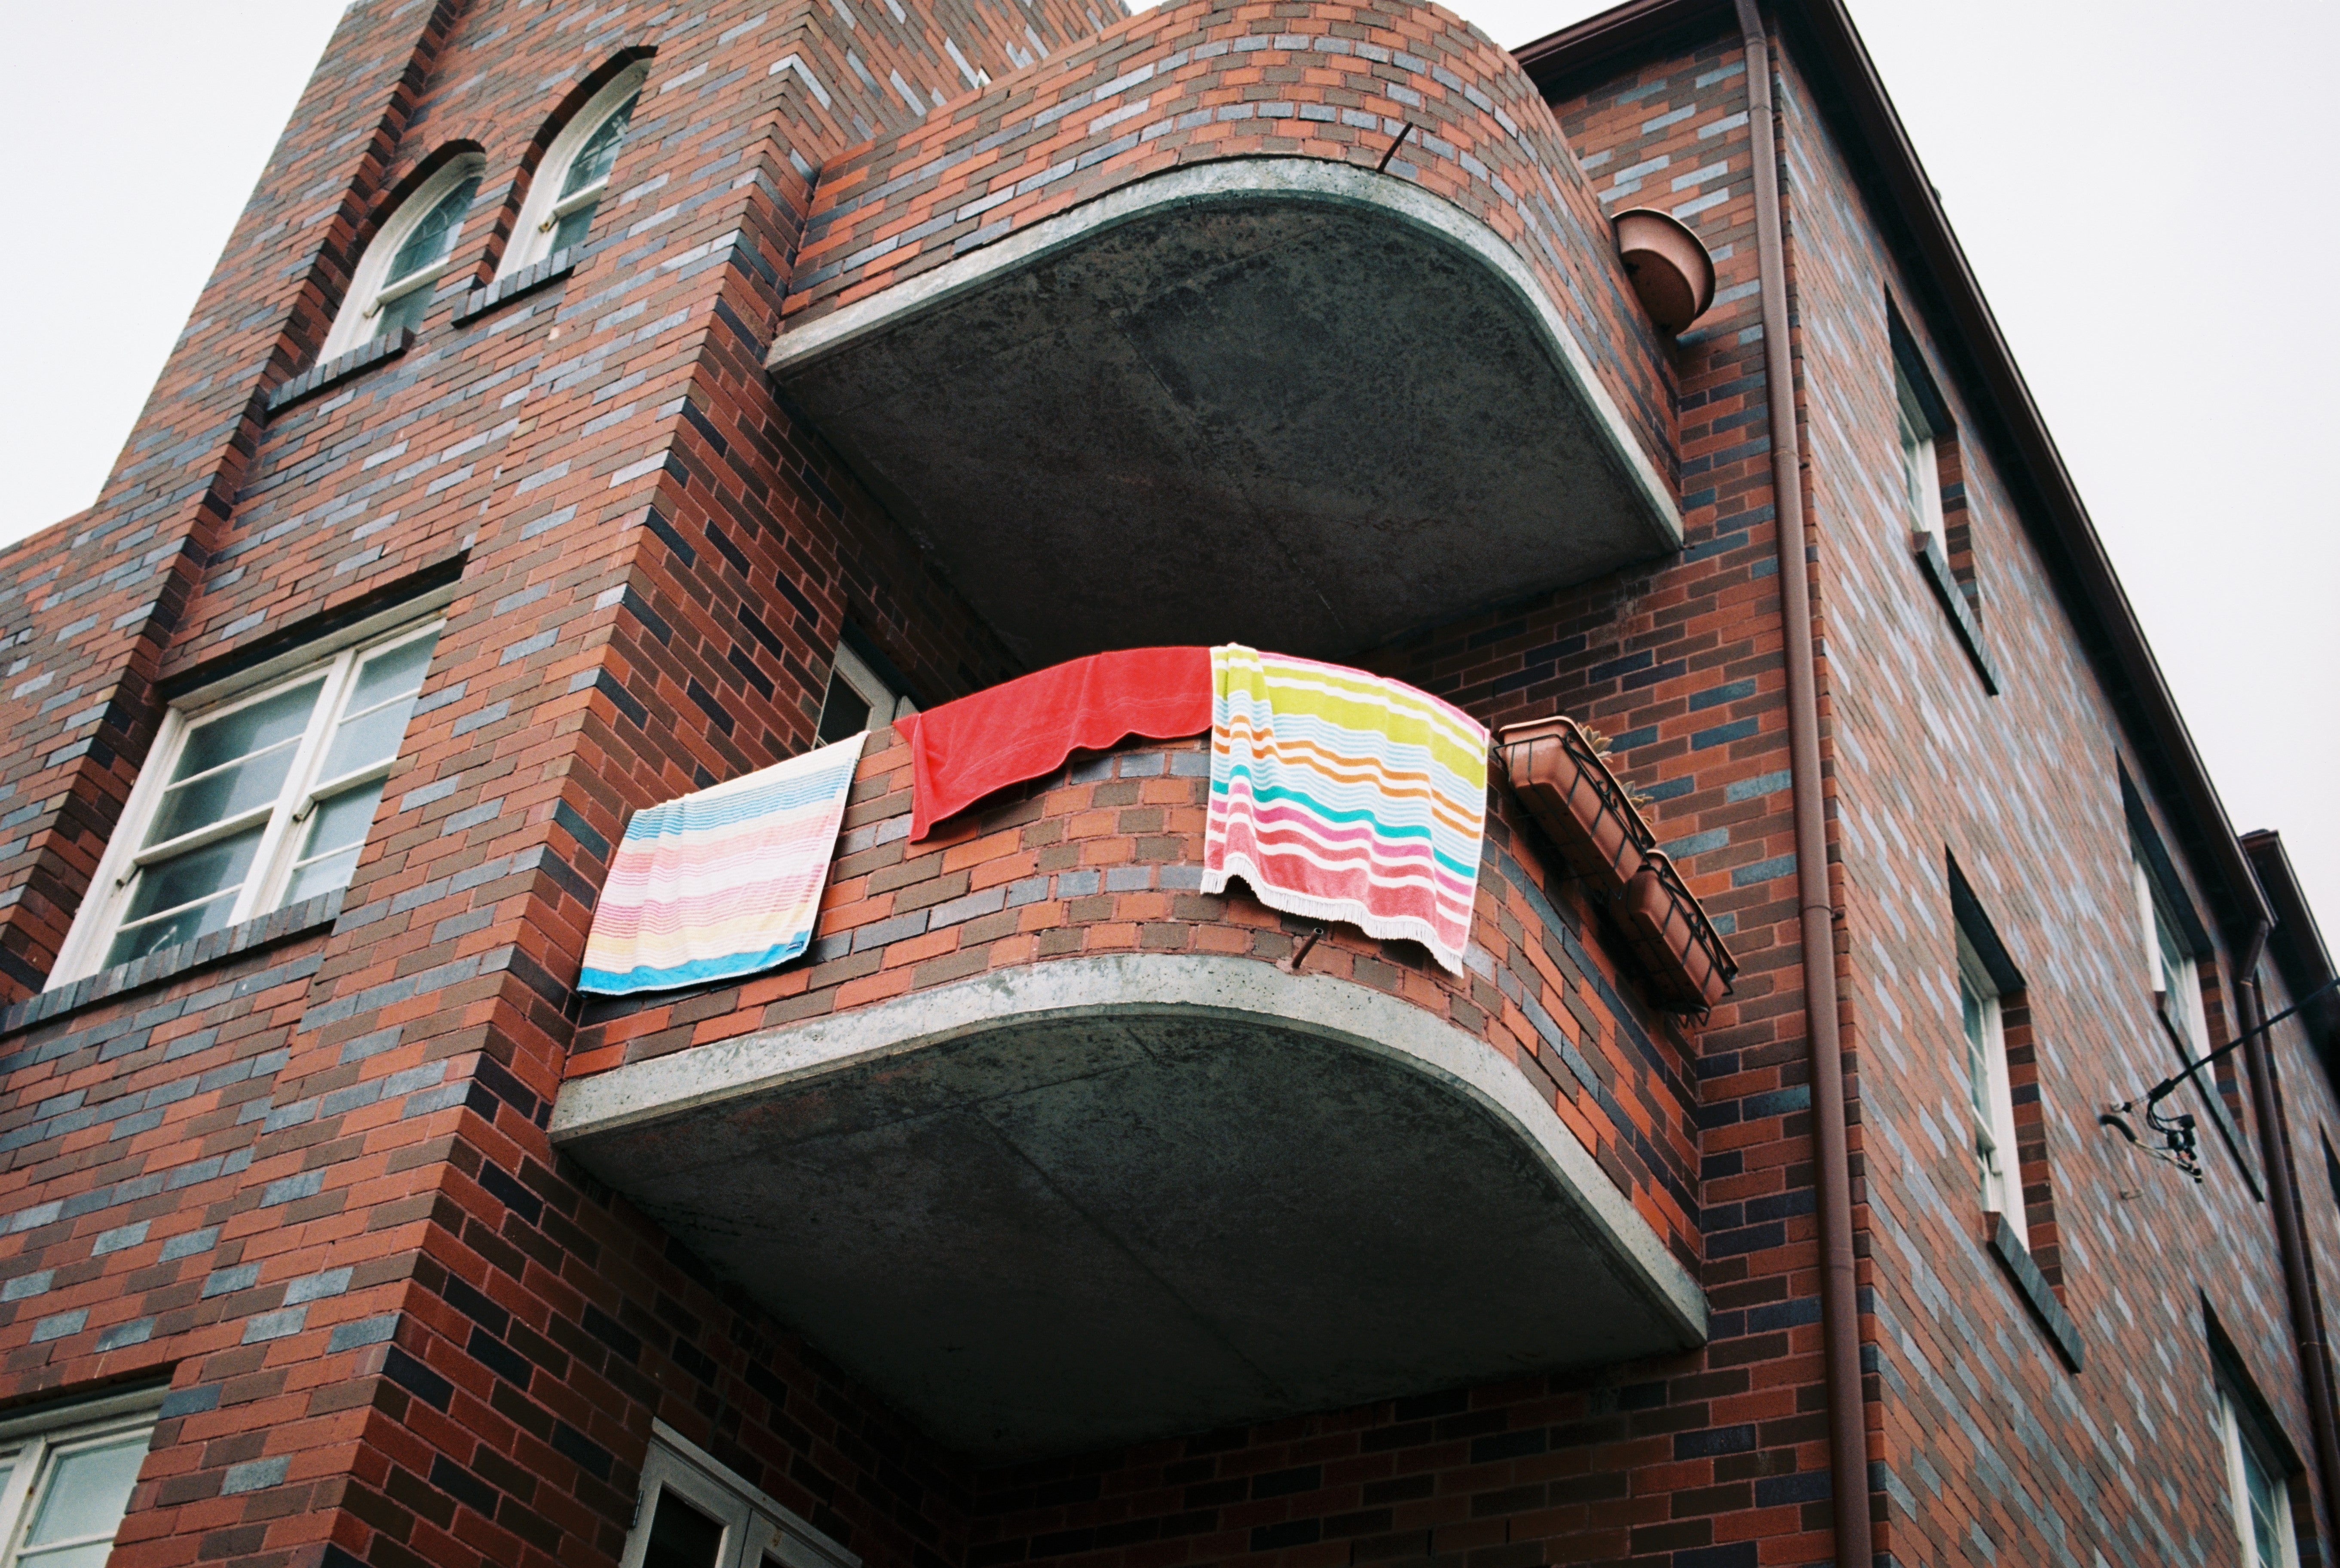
point(1928, 549)
point(2036, 1293)
point(534, 276)
point(334, 371)
point(294, 920)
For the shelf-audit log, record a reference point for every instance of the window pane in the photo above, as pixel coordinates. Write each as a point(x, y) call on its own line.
point(233, 763)
point(205, 880)
point(1970, 1011)
point(391, 672)
point(600, 154)
point(574, 227)
point(215, 868)
point(432, 238)
point(407, 310)
point(2173, 957)
point(341, 822)
point(262, 725)
point(845, 713)
point(241, 786)
point(185, 925)
point(1913, 450)
point(682, 1537)
point(323, 876)
point(2265, 1505)
point(87, 1491)
point(337, 831)
point(379, 707)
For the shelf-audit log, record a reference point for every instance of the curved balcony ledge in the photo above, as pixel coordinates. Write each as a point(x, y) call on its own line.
point(1116, 1197)
point(1145, 376)
point(1049, 1150)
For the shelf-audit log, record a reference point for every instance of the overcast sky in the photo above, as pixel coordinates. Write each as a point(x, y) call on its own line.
point(2140, 189)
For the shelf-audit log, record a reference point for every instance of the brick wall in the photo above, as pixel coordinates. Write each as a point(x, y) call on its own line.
point(1991, 1447)
point(306, 1179)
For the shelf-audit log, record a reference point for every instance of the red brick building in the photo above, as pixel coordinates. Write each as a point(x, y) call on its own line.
point(596, 403)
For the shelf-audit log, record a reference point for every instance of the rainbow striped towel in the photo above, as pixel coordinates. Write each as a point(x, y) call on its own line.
point(1344, 796)
point(723, 882)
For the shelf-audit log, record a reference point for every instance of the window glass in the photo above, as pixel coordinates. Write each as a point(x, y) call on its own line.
point(430, 240)
point(266, 803)
point(234, 763)
point(2269, 1516)
point(2262, 1502)
point(82, 1504)
point(682, 1537)
point(337, 831)
point(81, 1487)
point(1979, 1047)
point(405, 311)
point(1990, 1099)
point(378, 705)
point(589, 171)
point(858, 699)
point(844, 713)
point(696, 1514)
point(1921, 477)
point(184, 897)
point(2177, 970)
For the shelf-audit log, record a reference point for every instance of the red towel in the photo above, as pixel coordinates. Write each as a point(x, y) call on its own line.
point(1025, 728)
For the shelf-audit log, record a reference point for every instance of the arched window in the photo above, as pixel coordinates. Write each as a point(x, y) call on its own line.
point(394, 278)
point(575, 174)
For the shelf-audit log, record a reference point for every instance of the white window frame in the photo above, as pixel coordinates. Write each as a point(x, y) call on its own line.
point(885, 703)
point(110, 890)
point(2156, 922)
point(2001, 1165)
point(541, 212)
point(2234, 1443)
point(756, 1528)
point(1921, 469)
point(371, 288)
point(29, 1444)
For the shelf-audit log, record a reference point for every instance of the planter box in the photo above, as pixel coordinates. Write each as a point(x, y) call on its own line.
point(1580, 804)
point(1688, 968)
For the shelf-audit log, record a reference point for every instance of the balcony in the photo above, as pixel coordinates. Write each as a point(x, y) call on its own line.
point(1147, 353)
point(1053, 1151)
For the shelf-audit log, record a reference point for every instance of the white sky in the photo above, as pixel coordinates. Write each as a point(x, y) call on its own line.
point(2137, 187)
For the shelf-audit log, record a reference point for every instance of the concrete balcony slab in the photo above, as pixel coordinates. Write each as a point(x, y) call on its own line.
point(1279, 401)
point(1106, 1198)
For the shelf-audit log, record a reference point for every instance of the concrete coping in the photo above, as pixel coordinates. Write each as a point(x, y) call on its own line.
point(772, 1061)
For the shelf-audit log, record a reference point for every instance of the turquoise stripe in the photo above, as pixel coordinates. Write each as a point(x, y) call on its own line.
point(698, 971)
point(1323, 813)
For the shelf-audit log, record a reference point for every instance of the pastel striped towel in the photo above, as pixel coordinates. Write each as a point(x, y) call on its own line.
point(723, 882)
point(1344, 796)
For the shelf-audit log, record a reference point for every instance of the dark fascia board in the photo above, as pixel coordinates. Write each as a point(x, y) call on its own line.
point(1872, 139)
point(2296, 943)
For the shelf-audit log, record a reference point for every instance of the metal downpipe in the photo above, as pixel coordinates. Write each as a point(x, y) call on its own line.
point(2291, 1240)
point(1840, 1301)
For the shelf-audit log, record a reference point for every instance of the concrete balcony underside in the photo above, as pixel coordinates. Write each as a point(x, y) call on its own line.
point(1103, 1199)
point(1276, 401)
